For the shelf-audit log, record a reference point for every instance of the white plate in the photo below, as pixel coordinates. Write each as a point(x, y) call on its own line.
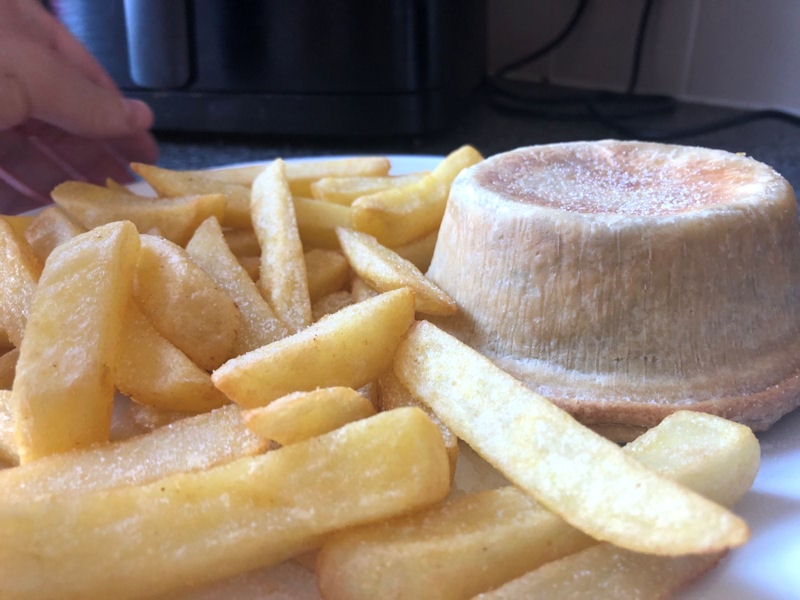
point(768, 566)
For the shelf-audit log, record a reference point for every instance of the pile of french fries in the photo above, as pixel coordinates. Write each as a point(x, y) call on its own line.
point(233, 388)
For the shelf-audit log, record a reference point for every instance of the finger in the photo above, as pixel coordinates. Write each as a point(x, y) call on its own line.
point(38, 83)
point(51, 32)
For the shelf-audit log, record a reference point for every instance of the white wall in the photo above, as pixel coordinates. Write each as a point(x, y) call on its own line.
point(742, 53)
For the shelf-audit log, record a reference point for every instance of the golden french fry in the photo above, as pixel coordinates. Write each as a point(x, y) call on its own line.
point(327, 272)
point(420, 251)
point(301, 174)
point(259, 324)
point(302, 415)
point(192, 444)
point(349, 348)
point(242, 242)
point(116, 186)
point(331, 303)
point(400, 215)
point(8, 446)
point(175, 218)
point(585, 478)
point(19, 272)
point(50, 227)
point(282, 279)
point(317, 221)
point(477, 542)
point(191, 528)
point(618, 573)
point(360, 289)
point(343, 190)
point(64, 389)
point(8, 367)
point(392, 394)
point(149, 418)
point(172, 184)
point(151, 370)
point(384, 270)
point(184, 303)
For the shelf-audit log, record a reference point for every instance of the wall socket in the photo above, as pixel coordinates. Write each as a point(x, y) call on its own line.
point(736, 53)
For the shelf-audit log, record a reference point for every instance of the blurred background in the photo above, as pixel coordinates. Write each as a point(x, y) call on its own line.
point(253, 79)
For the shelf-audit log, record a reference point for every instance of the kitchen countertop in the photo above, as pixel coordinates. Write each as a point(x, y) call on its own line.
point(772, 141)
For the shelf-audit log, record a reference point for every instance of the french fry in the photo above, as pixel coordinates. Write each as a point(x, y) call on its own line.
point(317, 221)
point(192, 444)
point(176, 218)
point(8, 367)
point(259, 325)
point(191, 528)
point(170, 183)
point(343, 190)
point(50, 227)
point(478, 542)
point(360, 289)
point(151, 370)
point(301, 174)
point(302, 415)
point(384, 270)
point(184, 303)
point(282, 279)
point(63, 390)
point(8, 446)
point(400, 215)
point(420, 251)
point(327, 272)
point(242, 242)
point(149, 418)
point(576, 473)
point(392, 394)
point(331, 303)
point(349, 348)
point(19, 272)
point(618, 573)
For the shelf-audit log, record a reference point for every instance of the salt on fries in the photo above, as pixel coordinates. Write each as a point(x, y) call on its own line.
point(206, 383)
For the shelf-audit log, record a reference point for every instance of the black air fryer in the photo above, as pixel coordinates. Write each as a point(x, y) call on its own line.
point(341, 67)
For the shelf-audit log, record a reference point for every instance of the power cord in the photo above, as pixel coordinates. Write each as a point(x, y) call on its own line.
point(613, 110)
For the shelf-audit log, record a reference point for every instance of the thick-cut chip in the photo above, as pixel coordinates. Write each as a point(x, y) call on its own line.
point(392, 394)
point(384, 270)
point(401, 215)
point(610, 572)
point(64, 386)
point(19, 272)
point(149, 418)
point(302, 415)
point(343, 190)
point(242, 242)
point(175, 218)
point(317, 221)
point(50, 227)
point(360, 289)
point(151, 370)
point(190, 528)
point(327, 272)
point(282, 280)
point(259, 324)
point(191, 444)
point(479, 541)
point(585, 478)
point(184, 303)
point(8, 446)
point(331, 303)
point(8, 367)
point(301, 174)
point(172, 184)
point(419, 251)
point(349, 348)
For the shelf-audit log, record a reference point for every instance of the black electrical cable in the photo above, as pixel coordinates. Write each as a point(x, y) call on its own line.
point(613, 110)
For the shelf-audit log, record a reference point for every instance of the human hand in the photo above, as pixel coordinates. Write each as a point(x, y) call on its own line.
point(61, 115)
